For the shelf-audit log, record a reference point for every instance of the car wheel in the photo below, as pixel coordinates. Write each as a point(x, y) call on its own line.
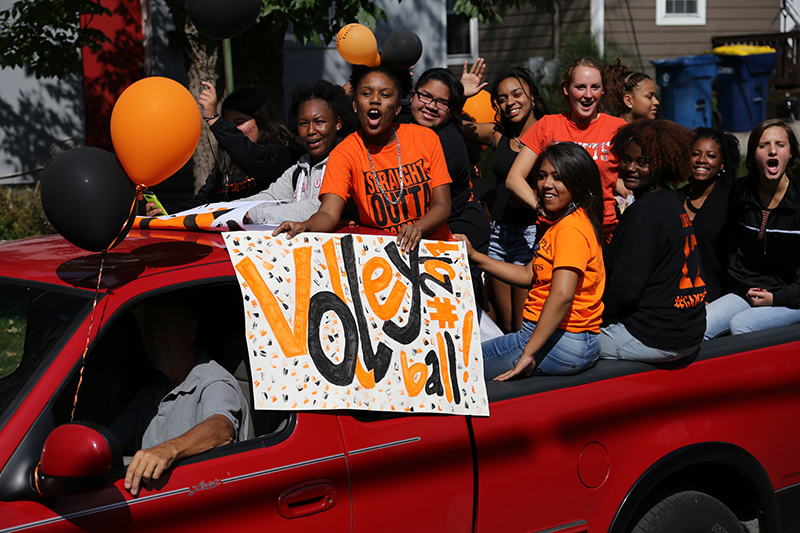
point(689, 512)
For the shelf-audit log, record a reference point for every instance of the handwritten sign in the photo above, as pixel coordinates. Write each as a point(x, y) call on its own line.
point(350, 322)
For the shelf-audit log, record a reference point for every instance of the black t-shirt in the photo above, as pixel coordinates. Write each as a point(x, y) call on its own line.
point(455, 153)
point(654, 281)
point(504, 209)
point(713, 240)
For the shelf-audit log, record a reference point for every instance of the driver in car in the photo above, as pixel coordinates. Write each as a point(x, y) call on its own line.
point(193, 405)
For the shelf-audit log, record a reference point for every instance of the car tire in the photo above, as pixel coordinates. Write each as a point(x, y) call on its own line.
point(689, 512)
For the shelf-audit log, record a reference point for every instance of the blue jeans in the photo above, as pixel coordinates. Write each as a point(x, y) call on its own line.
point(512, 244)
point(734, 314)
point(616, 342)
point(565, 352)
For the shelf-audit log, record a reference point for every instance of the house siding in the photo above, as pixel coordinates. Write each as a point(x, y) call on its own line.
point(526, 33)
point(630, 31)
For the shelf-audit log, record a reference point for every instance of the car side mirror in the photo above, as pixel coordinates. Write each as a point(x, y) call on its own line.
point(78, 457)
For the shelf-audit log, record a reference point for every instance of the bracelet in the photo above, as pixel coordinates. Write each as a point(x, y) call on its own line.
point(211, 117)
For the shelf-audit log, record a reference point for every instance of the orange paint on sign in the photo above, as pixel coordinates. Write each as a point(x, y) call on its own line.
point(438, 269)
point(413, 386)
point(467, 335)
point(440, 247)
point(293, 342)
point(373, 285)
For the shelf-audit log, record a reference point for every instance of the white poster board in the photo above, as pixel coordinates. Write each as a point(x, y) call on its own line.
point(338, 321)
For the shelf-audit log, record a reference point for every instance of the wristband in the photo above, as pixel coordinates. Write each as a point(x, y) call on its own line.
point(211, 117)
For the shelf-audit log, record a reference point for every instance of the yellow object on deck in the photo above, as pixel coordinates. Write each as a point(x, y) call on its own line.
point(742, 50)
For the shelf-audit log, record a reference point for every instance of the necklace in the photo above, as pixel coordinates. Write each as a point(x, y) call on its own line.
point(689, 205)
point(399, 170)
point(519, 143)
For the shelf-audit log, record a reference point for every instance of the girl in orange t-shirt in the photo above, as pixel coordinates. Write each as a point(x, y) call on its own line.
point(564, 308)
point(396, 173)
point(582, 86)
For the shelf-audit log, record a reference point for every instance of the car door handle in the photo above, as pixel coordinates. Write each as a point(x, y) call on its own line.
point(307, 498)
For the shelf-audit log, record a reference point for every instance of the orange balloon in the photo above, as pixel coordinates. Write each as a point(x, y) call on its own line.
point(480, 107)
point(357, 45)
point(155, 128)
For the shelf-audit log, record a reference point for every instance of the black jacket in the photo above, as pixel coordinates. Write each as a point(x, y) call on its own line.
point(258, 166)
point(771, 263)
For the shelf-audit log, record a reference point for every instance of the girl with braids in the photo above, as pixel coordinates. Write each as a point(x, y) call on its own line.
point(715, 160)
point(321, 117)
point(632, 94)
point(655, 290)
point(765, 213)
point(255, 147)
point(396, 173)
point(517, 105)
point(565, 279)
point(582, 85)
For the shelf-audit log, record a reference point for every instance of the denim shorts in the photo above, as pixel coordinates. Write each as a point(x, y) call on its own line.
point(512, 244)
point(564, 352)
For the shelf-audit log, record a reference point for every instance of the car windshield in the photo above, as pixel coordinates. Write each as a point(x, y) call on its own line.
point(35, 322)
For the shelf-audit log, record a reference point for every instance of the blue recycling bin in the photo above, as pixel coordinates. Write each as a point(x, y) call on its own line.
point(685, 84)
point(742, 90)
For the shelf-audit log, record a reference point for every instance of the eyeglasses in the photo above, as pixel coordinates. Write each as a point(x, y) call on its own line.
point(426, 99)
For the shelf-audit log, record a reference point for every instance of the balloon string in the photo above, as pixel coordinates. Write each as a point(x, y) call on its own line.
point(88, 335)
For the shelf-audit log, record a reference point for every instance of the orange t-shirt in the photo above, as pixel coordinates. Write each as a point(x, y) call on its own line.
point(348, 173)
point(596, 138)
point(572, 243)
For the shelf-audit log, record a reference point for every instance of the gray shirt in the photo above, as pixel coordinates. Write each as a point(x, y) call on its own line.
point(157, 414)
point(289, 202)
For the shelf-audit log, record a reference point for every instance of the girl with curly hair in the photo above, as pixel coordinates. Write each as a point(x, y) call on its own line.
point(715, 160)
point(321, 115)
point(632, 94)
point(765, 212)
point(655, 289)
point(518, 105)
point(564, 280)
point(582, 85)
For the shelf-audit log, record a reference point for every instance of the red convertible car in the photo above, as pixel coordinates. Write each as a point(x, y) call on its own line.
point(703, 446)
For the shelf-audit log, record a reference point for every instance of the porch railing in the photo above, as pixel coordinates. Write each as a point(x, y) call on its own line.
point(787, 62)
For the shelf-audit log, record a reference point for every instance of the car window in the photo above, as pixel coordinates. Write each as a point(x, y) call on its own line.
point(117, 366)
point(36, 320)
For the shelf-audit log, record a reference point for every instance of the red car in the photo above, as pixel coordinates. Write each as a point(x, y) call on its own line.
point(623, 447)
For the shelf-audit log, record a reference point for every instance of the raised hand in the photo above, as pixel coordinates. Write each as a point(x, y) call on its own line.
point(471, 77)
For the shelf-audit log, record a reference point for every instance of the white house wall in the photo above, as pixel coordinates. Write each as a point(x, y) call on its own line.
point(37, 118)
point(426, 18)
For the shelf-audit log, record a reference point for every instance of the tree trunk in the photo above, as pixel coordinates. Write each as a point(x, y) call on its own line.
point(203, 58)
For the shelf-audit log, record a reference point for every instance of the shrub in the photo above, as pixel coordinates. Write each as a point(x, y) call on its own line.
point(21, 213)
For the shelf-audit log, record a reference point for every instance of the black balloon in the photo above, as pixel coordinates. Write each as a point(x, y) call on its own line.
point(402, 50)
point(88, 198)
point(223, 19)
